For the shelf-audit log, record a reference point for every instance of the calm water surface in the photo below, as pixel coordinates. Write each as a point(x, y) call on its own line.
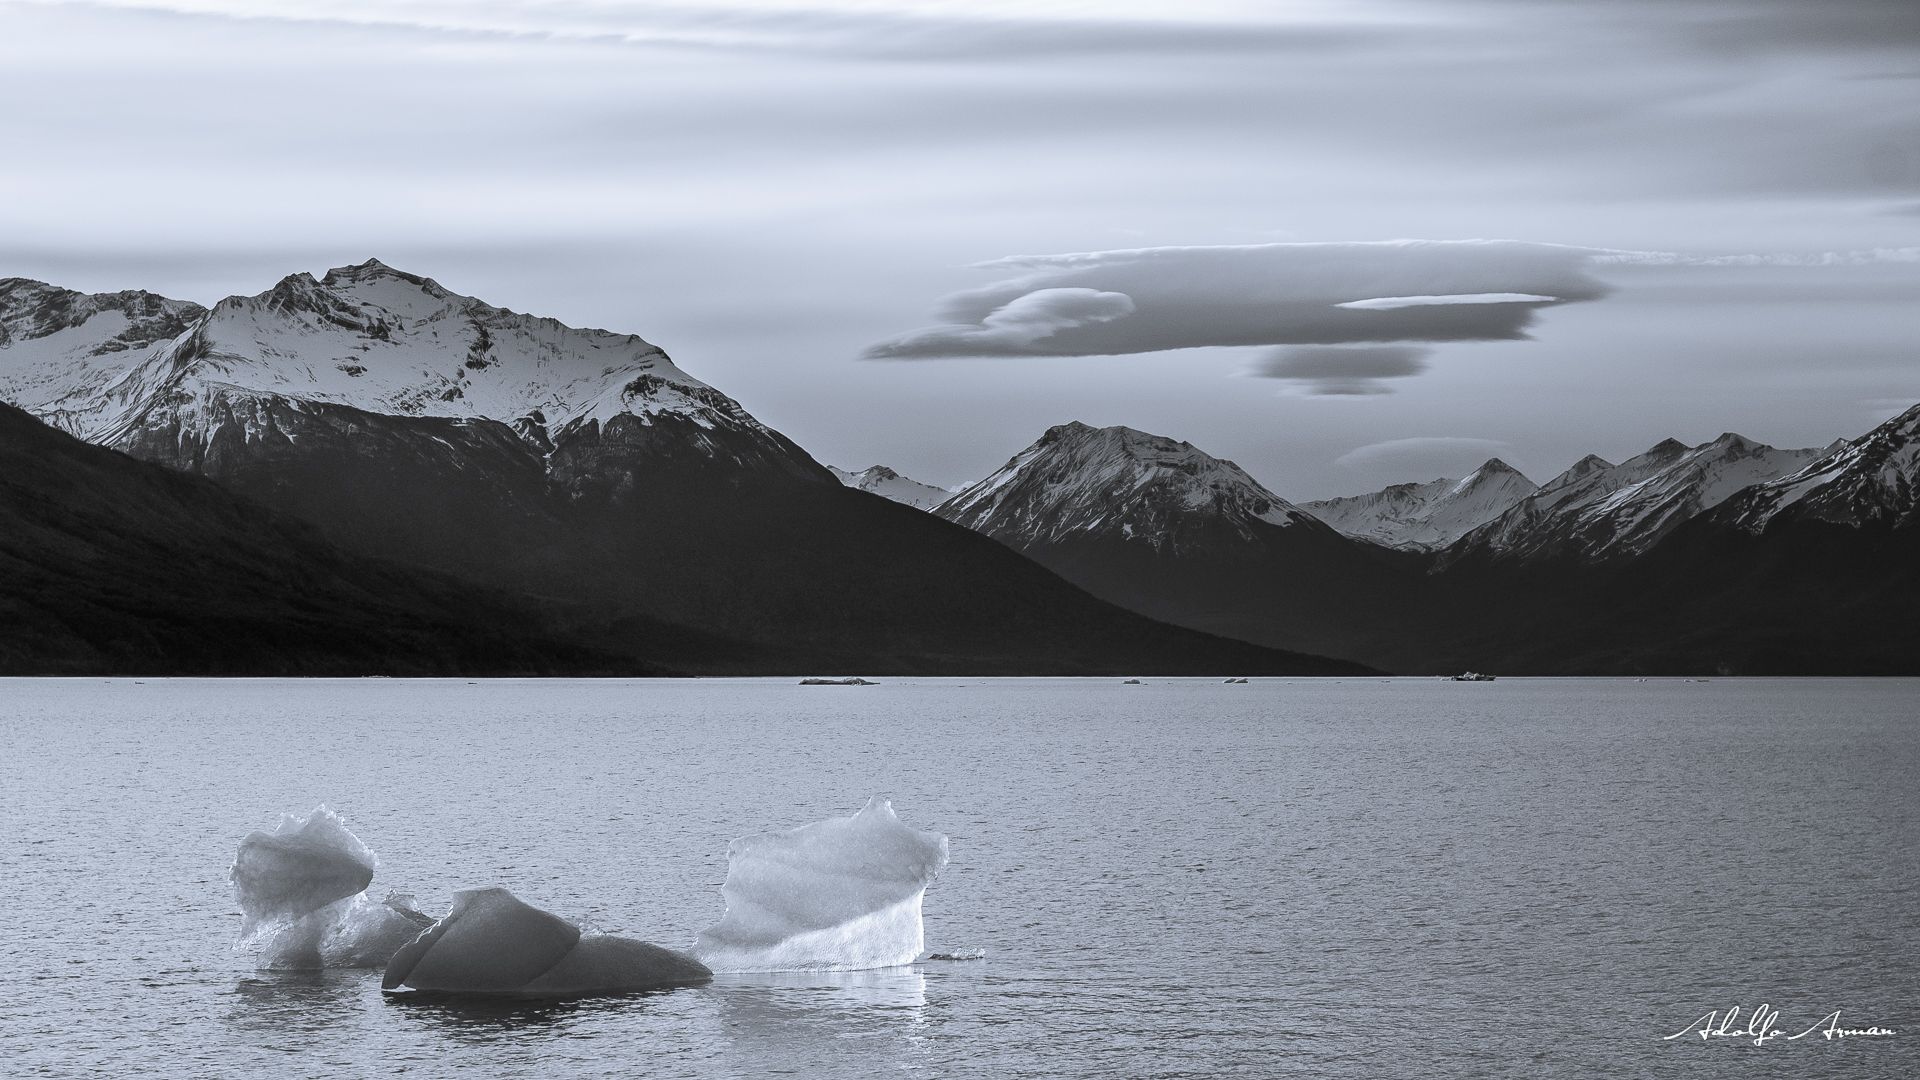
point(1407, 878)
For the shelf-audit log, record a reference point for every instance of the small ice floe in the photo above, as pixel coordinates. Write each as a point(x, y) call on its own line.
point(1131, 682)
point(838, 895)
point(852, 681)
point(1472, 676)
point(959, 955)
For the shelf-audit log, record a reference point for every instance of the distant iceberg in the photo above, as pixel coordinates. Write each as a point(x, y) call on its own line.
point(842, 894)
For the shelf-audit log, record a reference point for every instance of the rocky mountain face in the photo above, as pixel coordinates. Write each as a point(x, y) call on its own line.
point(1425, 517)
point(577, 468)
point(1162, 527)
point(888, 484)
point(110, 565)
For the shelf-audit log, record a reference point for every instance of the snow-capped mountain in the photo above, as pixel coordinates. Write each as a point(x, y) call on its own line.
point(256, 369)
point(61, 349)
point(1873, 481)
point(1596, 511)
point(882, 481)
point(1162, 527)
point(1424, 517)
point(1115, 481)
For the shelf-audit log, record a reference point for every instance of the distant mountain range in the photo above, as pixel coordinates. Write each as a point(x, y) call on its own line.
point(387, 475)
point(1730, 556)
point(627, 515)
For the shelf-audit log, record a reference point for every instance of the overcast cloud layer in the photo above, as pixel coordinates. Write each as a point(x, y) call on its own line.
point(772, 189)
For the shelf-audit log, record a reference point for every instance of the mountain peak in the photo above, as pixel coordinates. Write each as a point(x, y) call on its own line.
point(1072, 429)
point(1874, 479)
point(889, 484)
point(1425, 517)
point(1078, 479)
point(1493, 469)
point(365, 336)
point(1578, 471)
point(1118, 434)
point(373, 270)
point(1735, 442)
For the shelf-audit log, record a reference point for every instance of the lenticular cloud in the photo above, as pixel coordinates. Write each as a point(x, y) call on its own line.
point(1260, 294)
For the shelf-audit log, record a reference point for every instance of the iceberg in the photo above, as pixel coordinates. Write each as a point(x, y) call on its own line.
point(367, 933)
point(839, 895)
point(303, 903)
point(294, 884)
point(842, 894)
point(493, 943)
point(306, 864)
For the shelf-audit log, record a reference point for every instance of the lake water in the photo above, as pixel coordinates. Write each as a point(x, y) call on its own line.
point(1404, 878)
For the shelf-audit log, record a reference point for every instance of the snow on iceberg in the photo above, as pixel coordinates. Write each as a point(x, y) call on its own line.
point(841, 894)
point(492, 943)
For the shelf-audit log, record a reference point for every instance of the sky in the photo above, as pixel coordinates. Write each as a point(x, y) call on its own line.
point(1344, 244)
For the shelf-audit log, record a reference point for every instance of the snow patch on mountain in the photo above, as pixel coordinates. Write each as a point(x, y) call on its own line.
point(1079, 479)
point(882, 481)
point(1427, 516)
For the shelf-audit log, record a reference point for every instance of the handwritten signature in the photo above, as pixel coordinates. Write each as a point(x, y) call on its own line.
point(1762, 1027)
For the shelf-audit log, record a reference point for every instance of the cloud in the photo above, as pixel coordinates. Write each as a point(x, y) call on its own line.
point(1388, 303)
point(1860, 257)
point(1025, 322)
point(994, 29)
point(1337, 371)
point(1419, 448)
point(1267, 294)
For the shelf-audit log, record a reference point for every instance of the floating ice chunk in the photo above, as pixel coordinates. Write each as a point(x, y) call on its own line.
point(282, 876)
point(492, 943)
point(841, 894)
point(366, 933)
point(295, 884)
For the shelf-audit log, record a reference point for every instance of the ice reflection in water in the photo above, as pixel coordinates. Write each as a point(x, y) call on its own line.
point(824, 1023)
point(273, 1005)
point(827, 1023)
